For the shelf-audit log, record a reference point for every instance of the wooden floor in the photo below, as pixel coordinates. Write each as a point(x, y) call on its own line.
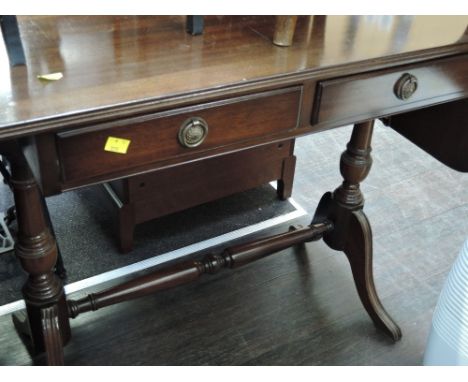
point(299, 307)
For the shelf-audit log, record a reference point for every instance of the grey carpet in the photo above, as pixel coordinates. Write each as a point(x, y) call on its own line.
point(85, 224)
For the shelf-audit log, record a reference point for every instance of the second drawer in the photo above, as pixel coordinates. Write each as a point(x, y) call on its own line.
point(356, 98)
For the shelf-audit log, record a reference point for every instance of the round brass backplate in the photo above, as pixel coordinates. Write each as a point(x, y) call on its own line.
point(193, 132)
point(406, 86)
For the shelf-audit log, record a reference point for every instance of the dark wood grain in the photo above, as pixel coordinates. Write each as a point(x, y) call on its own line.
point(126, 225)
point(256, 166)
point(358, 250)
point(41, 154)
point(186, 272)
point(154, 138)
point(138, 74)
point(285, 183)
point(307, 311)
point(355, 98)
point(423, 128)
point(52, 335)
point(352, 233)
point(339, 219)
point(36, 249)
point(163, 192)
point(137, 65)
point(313, 58)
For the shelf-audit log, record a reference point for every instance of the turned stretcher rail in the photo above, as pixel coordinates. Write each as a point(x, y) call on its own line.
point(189, 271)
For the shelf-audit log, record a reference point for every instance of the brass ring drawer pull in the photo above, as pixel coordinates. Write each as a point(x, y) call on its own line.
point(193, 132)
point(406, 86)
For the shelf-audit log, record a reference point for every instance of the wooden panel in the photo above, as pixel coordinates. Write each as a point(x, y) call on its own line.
point(154, 137)
point(185, 186)
point(356, 98)
point(165, 191)
point(442, 131)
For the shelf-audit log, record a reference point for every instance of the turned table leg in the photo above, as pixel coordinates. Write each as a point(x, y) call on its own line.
point(47, 316)
point(352, 233)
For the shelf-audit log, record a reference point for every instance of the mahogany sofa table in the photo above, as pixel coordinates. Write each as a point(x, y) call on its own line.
point(140, 94)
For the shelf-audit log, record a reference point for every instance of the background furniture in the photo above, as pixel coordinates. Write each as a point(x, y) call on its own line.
point(12, 38)
point(194, 25)
point(145, 197)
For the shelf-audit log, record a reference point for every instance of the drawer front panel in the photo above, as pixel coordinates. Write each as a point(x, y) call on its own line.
point(156, 138)
point(360, 97)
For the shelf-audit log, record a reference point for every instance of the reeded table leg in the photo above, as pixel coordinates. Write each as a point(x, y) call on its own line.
point(53, 342)
point(37, 251)
point(352, 233)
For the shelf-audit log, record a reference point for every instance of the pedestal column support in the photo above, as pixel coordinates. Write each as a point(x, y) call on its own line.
point(352, 232)
point(47, 321)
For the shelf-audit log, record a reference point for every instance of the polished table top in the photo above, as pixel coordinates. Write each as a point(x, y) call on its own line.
point(144, 63)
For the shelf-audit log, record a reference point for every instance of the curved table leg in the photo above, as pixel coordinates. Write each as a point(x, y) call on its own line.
point(358, 249)
point(352, 232)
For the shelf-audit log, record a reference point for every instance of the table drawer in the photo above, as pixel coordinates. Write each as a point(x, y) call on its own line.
point(157, 137)
point(356, 98)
